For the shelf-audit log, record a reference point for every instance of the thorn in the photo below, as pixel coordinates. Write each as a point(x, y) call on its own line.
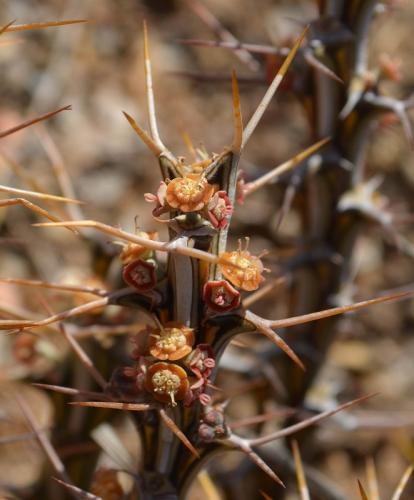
point(180, 435)
point(300, 473)
point(276, 172)
point(292, 429)
point(28, 123)
point(146, 139)
point(41, 196)
point(78, 492)
point(52, 24)
point(238, 122)
point(112, 405)
point(265, 329)
point(362, 492)
point(305, 318)
point(403, 482)
point(257, 115)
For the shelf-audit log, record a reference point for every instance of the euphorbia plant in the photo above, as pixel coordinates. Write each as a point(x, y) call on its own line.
point(193, 304)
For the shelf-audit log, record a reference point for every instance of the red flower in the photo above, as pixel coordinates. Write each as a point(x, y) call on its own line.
point(140, 274)
point(220, 296)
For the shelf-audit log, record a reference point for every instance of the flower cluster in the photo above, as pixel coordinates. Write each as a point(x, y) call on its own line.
point(192, 193)
point(168, 367)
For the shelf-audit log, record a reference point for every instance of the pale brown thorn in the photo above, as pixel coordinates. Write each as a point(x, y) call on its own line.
point(372, 479)
point(99, 330)
point(180, 435)
point(362, 492)
point(292, 429)
point(77, 348)
point(55, 286)
point(258, 419)
point(4, 28)
point(41, 196)
point(257, 115)
point(305, 318)
point(238, 121)
point(319, 66)
point(112, 405)
point(77, 492)
point(263, 327)
point(60, 170)
point(207, 484)
point(150, 93)
point(160, 246)
point(281, 169)
point(20, 172)
point(245, 447)
point(146, 139)
point(51, 24)
point(34, 208)
point(76, 311)
point(403, 482)
point(28, 123)
point(68, 390)
point(213, 23)
point(265, 495)
point(43, 439)
point(249, 47)
point(300, 473)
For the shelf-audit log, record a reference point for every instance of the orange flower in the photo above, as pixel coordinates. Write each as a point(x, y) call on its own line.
point(167, 382)
point(246, 272)
point(190, 193)
point(172, 342)
point(133, 251)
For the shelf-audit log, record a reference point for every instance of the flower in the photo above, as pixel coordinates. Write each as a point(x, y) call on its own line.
point(167, 382)
point(133, 251)
point(172, 342)
point(220, 209)
point(246, 272)
point(158, 198)
point(201, 361)
point(140, 274)
point(189, 194)
point(220, 296)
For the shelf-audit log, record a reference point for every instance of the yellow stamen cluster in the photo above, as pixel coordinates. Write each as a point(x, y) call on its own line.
point(172, 342)
point(190, 193)
point(246, 272)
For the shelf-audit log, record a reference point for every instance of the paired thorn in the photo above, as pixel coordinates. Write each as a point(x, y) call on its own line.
point(262, 327)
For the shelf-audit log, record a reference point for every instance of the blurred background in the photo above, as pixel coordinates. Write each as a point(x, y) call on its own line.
point(98, 69)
